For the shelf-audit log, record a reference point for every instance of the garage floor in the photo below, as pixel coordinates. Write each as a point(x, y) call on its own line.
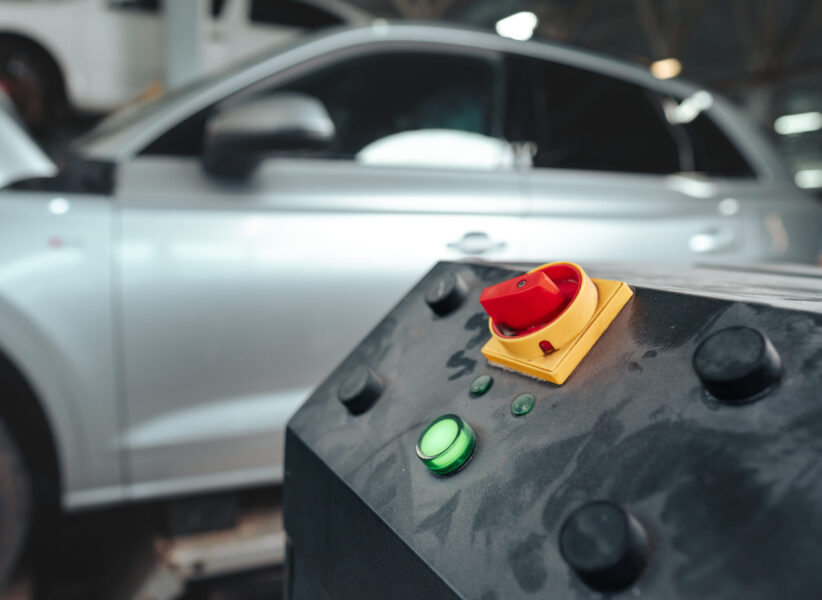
point(128, 552)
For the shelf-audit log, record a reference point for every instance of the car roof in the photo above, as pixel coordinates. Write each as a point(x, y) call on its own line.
point(128, 131)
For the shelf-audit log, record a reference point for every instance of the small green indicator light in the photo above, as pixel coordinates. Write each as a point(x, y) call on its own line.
point(446, 444)
point(481, 384)
point(522, 405)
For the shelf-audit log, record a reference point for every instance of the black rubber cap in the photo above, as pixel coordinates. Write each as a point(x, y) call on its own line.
point(737, 363)
point(604, 545)
point(360, 389)
point(446, 294)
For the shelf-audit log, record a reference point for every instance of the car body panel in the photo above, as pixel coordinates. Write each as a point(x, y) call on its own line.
point(589, 215)
point(230, 266)
point(56, 326)
point(786, 224)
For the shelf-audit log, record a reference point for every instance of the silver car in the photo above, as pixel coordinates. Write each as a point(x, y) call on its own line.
point(170, 298)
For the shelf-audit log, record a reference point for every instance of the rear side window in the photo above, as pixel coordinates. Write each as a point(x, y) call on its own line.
point(713, 152)
point(291, 13)
point(585, 120)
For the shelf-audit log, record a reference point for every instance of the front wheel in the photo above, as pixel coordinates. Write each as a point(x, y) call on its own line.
point(15, 503)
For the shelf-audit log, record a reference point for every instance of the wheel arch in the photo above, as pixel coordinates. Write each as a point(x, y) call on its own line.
point(24, 416)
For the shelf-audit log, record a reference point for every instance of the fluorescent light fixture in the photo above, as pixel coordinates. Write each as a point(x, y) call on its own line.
point(798, 123)
point(519, 26)
point(666, 68)
point(809, 178)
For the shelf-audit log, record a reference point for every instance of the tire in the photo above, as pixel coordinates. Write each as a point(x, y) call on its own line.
point(15, 504)
point(34, 84)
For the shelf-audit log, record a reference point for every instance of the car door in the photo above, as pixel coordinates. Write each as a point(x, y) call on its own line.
point(613, 179)
point(238, 296)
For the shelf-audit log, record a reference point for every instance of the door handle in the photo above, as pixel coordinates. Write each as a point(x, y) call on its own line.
point(712, 240)
point(476, 242)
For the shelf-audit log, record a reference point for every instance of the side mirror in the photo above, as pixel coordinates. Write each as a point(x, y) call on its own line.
point(238, 138)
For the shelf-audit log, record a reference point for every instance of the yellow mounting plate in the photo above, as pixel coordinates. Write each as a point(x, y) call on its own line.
point(558, 365)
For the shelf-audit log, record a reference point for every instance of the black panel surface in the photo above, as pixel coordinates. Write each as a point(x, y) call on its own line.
point(730, 495)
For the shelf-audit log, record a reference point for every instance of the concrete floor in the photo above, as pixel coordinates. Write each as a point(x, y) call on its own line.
point(110, 554)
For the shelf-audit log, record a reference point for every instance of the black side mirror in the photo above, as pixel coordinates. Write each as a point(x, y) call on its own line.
point(238, 138)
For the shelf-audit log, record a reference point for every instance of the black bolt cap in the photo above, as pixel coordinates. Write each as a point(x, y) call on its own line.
point(737, 363)
point(446, 293)
point(360, 389)
point(604, 545)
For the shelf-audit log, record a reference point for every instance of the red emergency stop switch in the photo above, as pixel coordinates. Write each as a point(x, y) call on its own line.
point(523, 302)
point(544, 322)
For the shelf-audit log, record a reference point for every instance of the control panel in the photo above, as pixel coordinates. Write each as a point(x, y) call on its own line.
point(543, 434)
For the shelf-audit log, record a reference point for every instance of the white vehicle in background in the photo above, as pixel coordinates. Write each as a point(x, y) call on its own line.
point(94, 55)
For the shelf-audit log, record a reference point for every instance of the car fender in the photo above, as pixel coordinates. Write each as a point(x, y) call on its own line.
point(39, 363)
point(57, 329)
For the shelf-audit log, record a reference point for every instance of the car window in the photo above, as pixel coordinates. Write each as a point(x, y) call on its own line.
point(713, 153)
point(579, 119)
point(373, 97)
point(703, 148)
point(291, 13)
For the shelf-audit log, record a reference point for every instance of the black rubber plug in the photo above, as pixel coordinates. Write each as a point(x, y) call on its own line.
point(446, 294)
point(360, 390)
point(737, 363)
point(604, 545)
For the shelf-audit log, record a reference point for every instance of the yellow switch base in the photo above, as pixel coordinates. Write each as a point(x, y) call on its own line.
point(558, 365)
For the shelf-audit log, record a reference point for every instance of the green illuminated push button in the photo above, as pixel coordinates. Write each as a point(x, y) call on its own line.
point(481, 385)
point(446, 444)
point(522, 405)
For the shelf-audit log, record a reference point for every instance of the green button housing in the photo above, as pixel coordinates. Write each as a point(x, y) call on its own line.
point(446, 444)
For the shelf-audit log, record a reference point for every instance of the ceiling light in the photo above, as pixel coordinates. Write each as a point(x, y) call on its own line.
point(666, 68)
point(809, 178)
point(519, 26)
point(798, 123)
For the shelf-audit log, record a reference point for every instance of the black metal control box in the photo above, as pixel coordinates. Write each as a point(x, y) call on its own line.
point(641, 476)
